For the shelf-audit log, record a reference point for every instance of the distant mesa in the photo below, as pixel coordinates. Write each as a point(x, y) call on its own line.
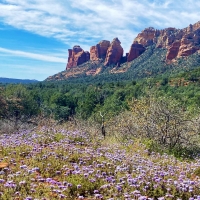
point(178, 42)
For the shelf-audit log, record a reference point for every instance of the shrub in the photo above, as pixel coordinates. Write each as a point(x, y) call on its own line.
point(166, 123)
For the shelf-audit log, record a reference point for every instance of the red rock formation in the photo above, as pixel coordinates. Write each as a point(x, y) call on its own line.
point(167, 37)
point(179, 42)
point(192, 28)
point(99, 51)
point(114, 53)
point(189, 44)
point(135, 51)
point(147, 36)
point(94, 53)
point(162, 38)
point(173, 50)
point(77, 56)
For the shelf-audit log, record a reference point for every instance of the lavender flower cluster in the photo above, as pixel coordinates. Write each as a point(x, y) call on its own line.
point(61, 164)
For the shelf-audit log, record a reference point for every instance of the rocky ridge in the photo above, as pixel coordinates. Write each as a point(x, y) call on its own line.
point(77, 56)
point(178, 42)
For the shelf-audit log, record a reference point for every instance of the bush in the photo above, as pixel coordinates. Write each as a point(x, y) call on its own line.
point(166, 123)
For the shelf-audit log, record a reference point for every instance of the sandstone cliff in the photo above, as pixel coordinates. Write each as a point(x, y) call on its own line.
point(178, 42)
point(77, 56)
point(114, 53)
point(135, 51)
point(99, 51)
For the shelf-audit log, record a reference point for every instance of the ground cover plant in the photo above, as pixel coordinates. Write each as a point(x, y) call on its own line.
point(58, 163)
point(51, 143)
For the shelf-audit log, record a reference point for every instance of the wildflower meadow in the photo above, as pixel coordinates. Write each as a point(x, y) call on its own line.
point(63, 164)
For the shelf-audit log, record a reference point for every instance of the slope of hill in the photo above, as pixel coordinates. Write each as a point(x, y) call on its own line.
point(153, 52)
point(13, 80)
point(150, 64)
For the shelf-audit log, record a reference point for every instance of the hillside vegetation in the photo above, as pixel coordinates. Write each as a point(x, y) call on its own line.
point(177, 97)
point(151, 63)
point(102, 139)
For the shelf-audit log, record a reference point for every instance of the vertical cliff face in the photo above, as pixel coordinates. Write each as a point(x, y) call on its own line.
point(173, 50)
point(135, 51)
point(189, 43)
point(178, 42)
point(94, 52)
point(99, 51)
point(77, 56)
point(114, 53)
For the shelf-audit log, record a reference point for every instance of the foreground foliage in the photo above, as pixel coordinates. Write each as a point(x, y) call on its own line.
point(167, 124)
point(53, 163)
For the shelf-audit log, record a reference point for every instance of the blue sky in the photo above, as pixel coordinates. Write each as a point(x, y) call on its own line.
point(35, 35)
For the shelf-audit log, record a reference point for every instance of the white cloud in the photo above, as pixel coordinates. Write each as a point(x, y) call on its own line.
point(86, 22)
point(47, 58)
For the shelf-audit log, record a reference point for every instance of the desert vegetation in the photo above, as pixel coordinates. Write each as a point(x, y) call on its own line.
point(60, 162)
point(136, 139)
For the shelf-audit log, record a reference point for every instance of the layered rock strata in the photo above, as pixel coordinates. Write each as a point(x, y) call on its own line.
point(178, 42)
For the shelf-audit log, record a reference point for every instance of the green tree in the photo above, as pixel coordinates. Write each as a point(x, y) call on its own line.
point(20, 107)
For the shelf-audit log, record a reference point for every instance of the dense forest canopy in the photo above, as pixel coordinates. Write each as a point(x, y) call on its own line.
point(86, 97)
